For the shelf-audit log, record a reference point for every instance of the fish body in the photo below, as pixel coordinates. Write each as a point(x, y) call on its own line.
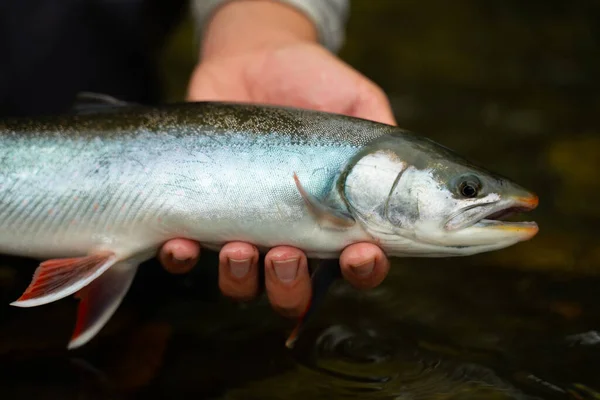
point(211, 173)
point(97, 193)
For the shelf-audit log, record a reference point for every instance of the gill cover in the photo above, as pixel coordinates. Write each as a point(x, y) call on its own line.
point(369, 183)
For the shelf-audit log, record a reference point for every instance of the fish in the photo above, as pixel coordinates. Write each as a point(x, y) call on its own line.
point(94, 192)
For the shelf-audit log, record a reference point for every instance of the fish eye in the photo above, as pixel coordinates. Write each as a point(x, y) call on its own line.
point(469, 187)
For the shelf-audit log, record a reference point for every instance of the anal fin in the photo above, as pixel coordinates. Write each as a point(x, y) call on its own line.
point(99, 301)
point(326, 215)
point(59, 278)
point(325, 274)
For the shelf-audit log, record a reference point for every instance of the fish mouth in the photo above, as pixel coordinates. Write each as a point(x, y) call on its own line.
point(499, 218)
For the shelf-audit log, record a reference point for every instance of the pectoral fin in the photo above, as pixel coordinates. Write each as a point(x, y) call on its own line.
point(325, 274)
point(326, 215)
point(99, 301)
point(59, 278)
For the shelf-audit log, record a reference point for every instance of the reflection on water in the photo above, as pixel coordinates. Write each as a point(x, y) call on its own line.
point(514, 87)
point(359, 362)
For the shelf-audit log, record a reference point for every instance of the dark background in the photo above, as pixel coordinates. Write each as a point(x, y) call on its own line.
point(510, 84)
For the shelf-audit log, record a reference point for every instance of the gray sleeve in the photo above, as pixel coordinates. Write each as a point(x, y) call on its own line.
point(329, 17)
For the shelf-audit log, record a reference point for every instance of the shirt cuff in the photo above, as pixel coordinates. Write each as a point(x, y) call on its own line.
point(329, 17)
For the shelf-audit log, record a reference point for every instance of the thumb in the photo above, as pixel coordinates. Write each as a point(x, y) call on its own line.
point(215, 82)
point(371, 103)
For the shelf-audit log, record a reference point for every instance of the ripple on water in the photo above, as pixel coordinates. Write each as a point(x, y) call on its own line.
point(352, 362)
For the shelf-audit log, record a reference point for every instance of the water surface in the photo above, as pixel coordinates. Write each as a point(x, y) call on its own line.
point(510, 85)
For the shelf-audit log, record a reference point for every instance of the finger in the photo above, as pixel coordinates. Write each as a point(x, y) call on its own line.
point(238, 270)
point(371, 103)
point(179, 256)
point(287, 280)
point(364, 265)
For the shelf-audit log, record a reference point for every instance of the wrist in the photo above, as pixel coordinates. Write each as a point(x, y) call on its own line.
point(240, 26)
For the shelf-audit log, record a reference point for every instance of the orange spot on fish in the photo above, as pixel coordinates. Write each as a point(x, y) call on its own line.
point(516, 228)
point(159, 219)
point(51, 211)
point(530, 202)
point(96, 206)
point(74, 222)
point(529, 231)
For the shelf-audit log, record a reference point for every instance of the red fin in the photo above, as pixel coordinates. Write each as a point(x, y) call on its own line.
point(291, 340)
point(58, 278)
point(326, 273)
point(82, 312)
point(100, 300)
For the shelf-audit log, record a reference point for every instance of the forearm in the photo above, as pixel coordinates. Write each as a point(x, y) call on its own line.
point(269, 21)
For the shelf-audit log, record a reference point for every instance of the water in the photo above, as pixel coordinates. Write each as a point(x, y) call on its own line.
point(510, 85)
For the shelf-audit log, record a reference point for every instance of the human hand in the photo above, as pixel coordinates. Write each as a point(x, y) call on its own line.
point(266, 52)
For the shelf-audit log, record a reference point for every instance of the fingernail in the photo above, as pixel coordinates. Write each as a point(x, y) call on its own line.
point(286, 270)
point(179, 261)
point(364, 269)
point(239, 268)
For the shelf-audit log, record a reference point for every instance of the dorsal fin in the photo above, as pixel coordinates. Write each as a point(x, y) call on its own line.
point(90, 102)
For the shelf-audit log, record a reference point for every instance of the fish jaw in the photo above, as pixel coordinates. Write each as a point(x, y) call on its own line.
point(489, 231)
point(492, 226)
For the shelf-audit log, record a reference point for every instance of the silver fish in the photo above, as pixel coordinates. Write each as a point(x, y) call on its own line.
point(95, 193)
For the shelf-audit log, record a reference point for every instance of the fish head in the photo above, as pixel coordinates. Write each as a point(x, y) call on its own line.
point(418, 198)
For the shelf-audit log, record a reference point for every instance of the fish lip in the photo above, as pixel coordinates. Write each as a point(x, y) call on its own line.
point(495, 218)
point(513, 206)
point(497, 211)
